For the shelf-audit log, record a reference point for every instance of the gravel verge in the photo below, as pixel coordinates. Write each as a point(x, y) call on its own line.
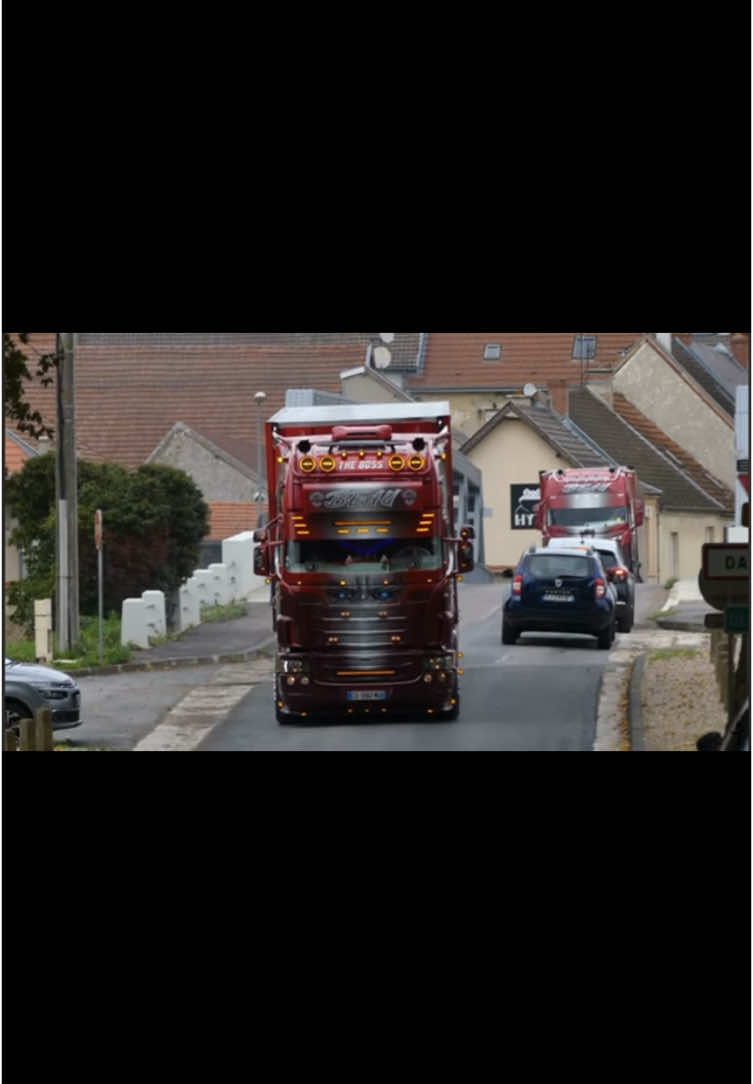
point(679, 699)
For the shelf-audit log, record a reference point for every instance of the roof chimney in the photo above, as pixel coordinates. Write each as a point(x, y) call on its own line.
point(559, 396)
point(739, 345)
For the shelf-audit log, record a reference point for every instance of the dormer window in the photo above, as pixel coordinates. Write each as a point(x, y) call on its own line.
point(584, 348)
point(492, 352)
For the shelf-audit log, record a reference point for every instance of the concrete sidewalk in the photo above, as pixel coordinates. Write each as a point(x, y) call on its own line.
point(239, 639)
point(685, 609)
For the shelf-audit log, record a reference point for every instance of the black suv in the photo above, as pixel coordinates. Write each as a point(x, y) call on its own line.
point(560, 590)
point(615, 566)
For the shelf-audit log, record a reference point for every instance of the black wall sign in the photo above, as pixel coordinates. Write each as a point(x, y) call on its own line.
point(522, 500)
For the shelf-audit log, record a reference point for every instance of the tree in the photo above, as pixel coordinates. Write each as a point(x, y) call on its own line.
point(16, 374)
point(154, 520)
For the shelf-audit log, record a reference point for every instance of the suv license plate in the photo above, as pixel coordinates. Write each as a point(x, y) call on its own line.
point(368, 694)
point(559, 598)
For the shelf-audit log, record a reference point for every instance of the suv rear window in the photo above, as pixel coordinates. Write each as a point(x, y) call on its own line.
point(607, 558)
point(545, 566)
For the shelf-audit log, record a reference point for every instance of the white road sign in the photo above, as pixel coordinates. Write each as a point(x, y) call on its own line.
point(726, 561)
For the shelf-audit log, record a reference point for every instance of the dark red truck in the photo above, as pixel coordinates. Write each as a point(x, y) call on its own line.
point(363, 558)
point(602, 500)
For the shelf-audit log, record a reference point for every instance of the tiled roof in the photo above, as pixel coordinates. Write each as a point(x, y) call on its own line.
point(132, 388)
point(455, 359)
point(723, 364)
point(549, 426)
point(660, 440)
point(687, 358)
point(17, 451)
point(228, 518)
point(628, 445)
point(128, 396)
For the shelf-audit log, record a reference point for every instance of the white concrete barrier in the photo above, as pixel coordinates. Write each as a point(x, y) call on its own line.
point(238, 555)
point(156, 621)
point(189, 611)
point(203, 580)
point(133, 624)
point(220, 584)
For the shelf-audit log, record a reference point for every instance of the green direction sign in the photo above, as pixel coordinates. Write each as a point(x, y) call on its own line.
point(737, 619)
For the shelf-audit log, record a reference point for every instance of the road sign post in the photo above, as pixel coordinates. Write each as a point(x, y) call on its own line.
point(98, 544)
point(724, 582)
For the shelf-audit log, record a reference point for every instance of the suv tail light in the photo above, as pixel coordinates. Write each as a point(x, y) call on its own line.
point(517, 586)
point(600, 588)
point(620, 574)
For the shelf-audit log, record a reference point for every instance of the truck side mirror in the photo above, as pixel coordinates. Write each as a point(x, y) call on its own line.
point(465, 557)
point(261, 560)
point(466, 560)
point(537, 516)
point(640, 511)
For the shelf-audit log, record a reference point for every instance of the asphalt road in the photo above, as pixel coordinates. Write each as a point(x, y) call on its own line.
point(541, 694)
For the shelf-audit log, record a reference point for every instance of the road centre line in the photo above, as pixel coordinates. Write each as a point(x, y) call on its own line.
point(194, 717)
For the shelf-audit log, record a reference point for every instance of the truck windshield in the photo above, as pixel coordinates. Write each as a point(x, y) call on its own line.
point(583, 517)
point(363, 547)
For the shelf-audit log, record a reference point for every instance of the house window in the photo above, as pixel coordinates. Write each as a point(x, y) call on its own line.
point(584, 347)
point(492, 352)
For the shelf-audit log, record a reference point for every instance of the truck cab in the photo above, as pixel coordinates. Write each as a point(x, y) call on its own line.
point(364, 561)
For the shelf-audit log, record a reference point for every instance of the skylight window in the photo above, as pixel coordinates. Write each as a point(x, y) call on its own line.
point(492, 352)
point(584, 347)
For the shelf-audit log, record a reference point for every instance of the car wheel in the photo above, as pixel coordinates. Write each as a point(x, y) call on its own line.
point(606, 638)
point(509, 635)
point(627, 619)
point(15, 711)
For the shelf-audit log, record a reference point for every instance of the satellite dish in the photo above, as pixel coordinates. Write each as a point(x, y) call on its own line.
point(387, 336)
point(530, 390)
point(382, 357)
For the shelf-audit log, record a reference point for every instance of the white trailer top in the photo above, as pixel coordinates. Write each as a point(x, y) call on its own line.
point(360, 414)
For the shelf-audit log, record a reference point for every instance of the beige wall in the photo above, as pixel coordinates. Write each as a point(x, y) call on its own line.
point(362, 389)
point(471, 411)
point(511, 455)
point(217, 479)
point(648, 542)
point(662, 395)
point(690, 530)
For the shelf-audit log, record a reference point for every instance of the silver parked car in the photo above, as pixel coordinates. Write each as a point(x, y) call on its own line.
point(30, 686)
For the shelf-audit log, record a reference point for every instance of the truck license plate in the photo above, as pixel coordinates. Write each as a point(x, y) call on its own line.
point(367, 694)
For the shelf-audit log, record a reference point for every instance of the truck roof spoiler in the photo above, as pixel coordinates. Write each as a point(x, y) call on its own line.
point(361, 414)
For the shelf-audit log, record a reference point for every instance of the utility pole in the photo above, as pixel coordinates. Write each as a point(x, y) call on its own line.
point(67, 621)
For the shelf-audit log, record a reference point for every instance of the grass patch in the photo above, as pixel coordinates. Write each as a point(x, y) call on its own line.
point(85, 652)
point(69, 747)
point(661, 613)
point(223, 613)
point(674, 653)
